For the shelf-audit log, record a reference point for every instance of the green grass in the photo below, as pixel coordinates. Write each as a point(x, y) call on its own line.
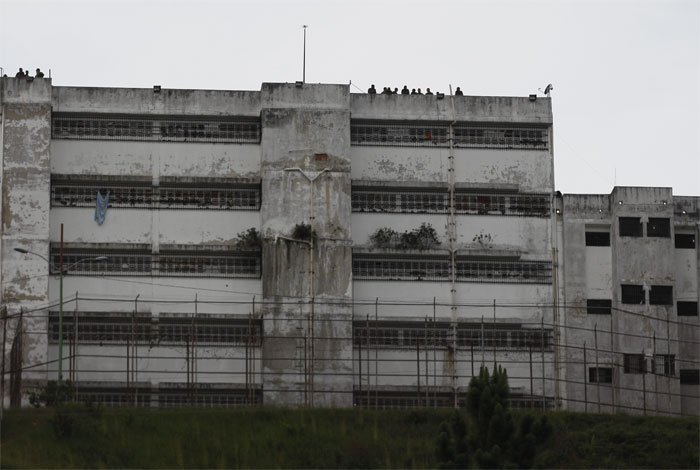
point(275, 438)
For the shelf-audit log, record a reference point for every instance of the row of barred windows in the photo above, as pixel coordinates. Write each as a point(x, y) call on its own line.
point(102, 328)
point(232, 129)
point(167, 395)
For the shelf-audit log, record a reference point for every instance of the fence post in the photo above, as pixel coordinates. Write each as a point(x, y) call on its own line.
point(585, 379)
point(597, 369)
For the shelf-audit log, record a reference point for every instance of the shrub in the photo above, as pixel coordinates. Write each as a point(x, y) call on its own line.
point(249, 240)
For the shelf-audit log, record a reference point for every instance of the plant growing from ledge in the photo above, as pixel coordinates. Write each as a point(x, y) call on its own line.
point(483, 239)
point(422, 238)
point(304, 232)
point(249, 240)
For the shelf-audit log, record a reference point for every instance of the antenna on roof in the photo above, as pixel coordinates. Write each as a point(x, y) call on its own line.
point(303, 79)
point(547, 90)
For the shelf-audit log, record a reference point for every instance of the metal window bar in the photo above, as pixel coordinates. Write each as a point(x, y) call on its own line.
point(149, 197)
point(405, 399)
point(204, 263)
point(518, 272)
point(101, 327)
point(394, 269)
point(209, 331)
point(149, 128)
point(205, 397)
point(427, 134)
point(664, 364)
point(112, 396)
point(405, 335)
point(437, 202)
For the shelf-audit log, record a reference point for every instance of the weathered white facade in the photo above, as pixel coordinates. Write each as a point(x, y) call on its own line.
point(301, 245)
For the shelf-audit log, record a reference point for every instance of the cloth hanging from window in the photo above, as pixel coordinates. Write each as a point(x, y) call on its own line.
point(101, 207)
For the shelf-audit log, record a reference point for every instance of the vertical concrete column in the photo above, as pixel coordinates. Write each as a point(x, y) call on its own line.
point(26, 179)
point(305, 148)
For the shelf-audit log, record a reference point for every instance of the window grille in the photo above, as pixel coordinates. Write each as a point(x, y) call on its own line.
point(119, 327)
point(206, 396)
point(685, 240)
point(438, 269)
point(597, 238)
point(142, 195)
point(409, 335)
point(202, 261)
point(427, 134)
point(209, 331)
point(634, 364)
point(516, 271)
point(661, 295)
point(630, 227)
point(664, 364)
point(114, 396)
point(687, 308)
point(632, 294)
point(401, 269)
point(100, 327)
point(603, 375)
point(405, 399)
point(599, 306)
point(156, 128)
point(437, 202)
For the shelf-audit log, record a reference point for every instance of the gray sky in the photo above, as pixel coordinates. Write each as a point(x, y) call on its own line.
point(626, 74)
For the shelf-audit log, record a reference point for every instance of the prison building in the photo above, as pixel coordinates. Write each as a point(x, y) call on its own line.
point(302, 245)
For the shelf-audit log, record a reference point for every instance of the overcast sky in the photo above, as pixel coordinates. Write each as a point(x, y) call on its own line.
point(626, 74)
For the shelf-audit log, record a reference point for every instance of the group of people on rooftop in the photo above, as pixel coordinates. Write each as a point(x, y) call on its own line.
point(404, 91)
point(25, 74)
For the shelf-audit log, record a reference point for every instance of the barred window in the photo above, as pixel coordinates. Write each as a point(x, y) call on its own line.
point(661, 295)
point(400, 269)
point(196, 261)
point(176, 395)
point(113, 395)
point(632, 294)
point(366, 199)
point(418, 134)
point(599, 306)
point(209, 331)
point(664, 364)
point(409, 335)
point(101, 327)
point(634, 364)
point(603, 375)
point(216, 129)
point(516, 271)
point(79, 191)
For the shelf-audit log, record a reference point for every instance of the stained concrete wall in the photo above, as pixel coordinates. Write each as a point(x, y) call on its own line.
point(25, 132)
point(306, 180)
point(598, 272)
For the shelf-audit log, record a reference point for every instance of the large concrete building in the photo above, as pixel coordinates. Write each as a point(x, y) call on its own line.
point(301, 245)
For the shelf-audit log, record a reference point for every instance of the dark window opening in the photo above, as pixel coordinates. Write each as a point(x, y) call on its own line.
point(661, 295)
point(630, 227)
point(685, 240)
point(664, 364)
point(690, 376)
point(597, 238)
point(687, 309)
point(632, 294)
point(599, 306)
point(635, 364)
point(603, 375)
point(659, 227)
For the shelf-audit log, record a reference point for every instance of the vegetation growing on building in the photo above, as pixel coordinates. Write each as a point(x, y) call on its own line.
point(422, 238)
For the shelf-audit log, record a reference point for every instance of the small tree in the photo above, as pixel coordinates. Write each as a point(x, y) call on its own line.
point(54, 393)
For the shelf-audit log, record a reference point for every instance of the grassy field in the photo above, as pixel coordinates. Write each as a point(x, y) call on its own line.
point(273, 438)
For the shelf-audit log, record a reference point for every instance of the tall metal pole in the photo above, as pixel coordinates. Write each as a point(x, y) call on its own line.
point(304, 71)
point(60, 311)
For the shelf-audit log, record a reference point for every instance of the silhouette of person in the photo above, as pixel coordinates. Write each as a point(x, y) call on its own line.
point(396, 91)
point(39, 74)
point(386, 91)
point(371, 91)
point(419, 92)
point(413, 91)
point(458, 92)
point(26, 74)
point(428, 92)
point(20, 74)
point(404, 90)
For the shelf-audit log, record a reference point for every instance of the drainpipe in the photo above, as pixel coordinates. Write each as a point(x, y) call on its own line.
point(452, 238)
